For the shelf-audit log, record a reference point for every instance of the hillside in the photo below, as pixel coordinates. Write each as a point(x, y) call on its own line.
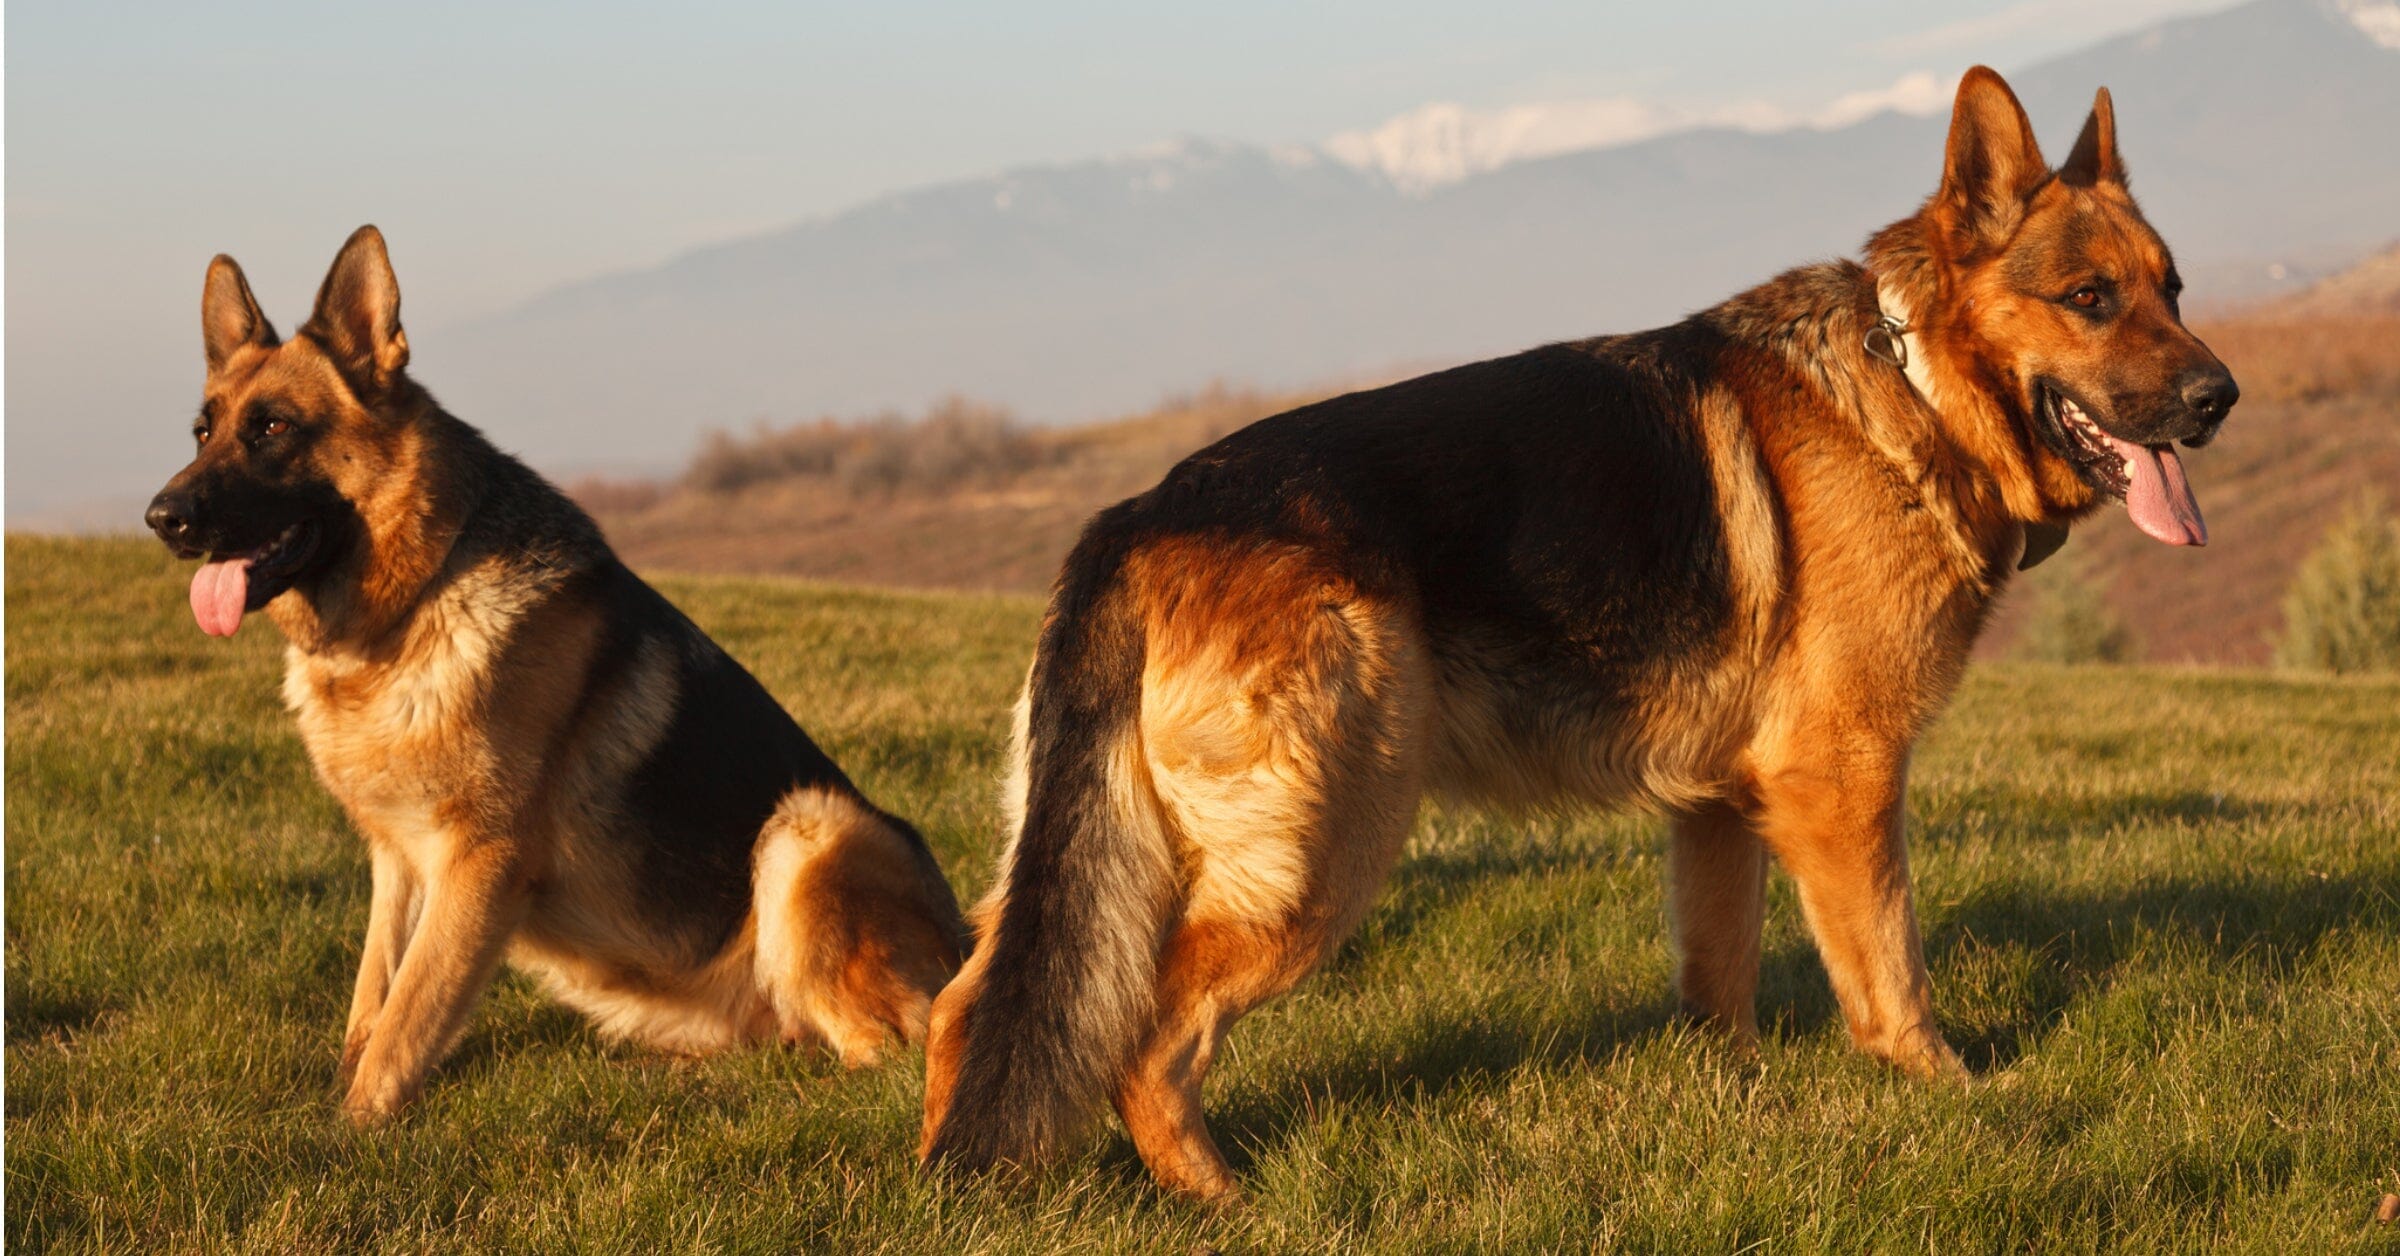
point(2369, 288)
point(1003, 524)
point(2319, 421)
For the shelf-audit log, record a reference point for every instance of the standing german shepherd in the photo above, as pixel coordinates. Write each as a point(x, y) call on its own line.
point(546, 759)
point(1728, 568)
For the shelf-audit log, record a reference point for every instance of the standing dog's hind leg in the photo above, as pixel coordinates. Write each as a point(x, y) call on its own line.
point(1717, 884)
point(1211, 973)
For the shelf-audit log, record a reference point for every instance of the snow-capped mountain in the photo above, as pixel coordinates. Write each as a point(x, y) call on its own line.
point(2259, 139)
point(1443, 143)
point(2379, 20)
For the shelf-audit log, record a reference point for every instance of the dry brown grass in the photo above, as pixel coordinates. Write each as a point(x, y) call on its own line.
point(2282, 361)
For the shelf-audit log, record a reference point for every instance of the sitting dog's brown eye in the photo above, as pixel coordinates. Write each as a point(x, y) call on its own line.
point(276, 427)
point(2084, 298)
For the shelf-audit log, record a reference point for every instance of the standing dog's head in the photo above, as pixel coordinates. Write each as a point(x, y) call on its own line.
point(298, 439)
point(2046, 292)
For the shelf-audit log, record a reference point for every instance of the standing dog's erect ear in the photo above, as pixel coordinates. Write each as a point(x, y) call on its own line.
point(357, 317)
point(229, 315)
point(2095, 157)
point(1991, 164)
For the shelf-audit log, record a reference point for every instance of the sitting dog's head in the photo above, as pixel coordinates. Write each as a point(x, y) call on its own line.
point(293, 437)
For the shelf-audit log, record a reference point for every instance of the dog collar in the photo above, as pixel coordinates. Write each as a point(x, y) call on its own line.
point(1888, 339)
point(1893, 340)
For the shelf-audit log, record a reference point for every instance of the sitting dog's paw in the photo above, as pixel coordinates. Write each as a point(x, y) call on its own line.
point(368, 1104)
point(352, 1051)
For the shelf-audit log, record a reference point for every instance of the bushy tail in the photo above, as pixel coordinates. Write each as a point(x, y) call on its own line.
point(1060, 991)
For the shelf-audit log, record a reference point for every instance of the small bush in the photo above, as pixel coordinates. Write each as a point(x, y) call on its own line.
point(957, 444)
point(2343, 611)
point(2072, 621)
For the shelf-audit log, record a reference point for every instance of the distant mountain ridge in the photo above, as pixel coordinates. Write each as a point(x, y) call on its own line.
point(1443, 143)
point(2372, 287)
point(2259, 139)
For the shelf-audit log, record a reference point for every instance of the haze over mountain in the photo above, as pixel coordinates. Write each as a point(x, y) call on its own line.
point(2257, 135)
point(2259, 140)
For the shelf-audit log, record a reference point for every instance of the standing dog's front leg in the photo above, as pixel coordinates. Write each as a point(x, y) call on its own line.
point(472, 903)
point(391, 919)
point(1834, 820)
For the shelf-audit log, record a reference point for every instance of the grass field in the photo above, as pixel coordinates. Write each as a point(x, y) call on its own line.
point(2162, 911)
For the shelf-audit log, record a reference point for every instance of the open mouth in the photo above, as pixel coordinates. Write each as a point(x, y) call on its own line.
point(2091, 450)
point(229, 586)
point(2147, 478)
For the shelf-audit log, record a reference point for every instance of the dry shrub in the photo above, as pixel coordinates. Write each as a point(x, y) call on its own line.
point(2071, 620)
point(2342, 613)
point(1129, 454)
point(957, 444)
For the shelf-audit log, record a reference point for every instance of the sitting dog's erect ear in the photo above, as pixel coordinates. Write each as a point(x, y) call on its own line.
point(2095, 157)
point(1991, 164)
point(229, 315)
point(357, 317)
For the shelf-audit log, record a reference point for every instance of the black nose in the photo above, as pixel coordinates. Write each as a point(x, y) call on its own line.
point(2210, 394)
point(170, 516)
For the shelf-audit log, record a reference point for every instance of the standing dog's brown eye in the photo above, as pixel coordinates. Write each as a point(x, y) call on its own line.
point(276, 427)
point(2084, 298)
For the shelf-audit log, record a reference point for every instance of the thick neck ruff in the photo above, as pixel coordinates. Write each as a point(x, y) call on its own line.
point(1894, 339)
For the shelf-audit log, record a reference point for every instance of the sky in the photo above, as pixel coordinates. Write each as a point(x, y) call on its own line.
point(508, 148)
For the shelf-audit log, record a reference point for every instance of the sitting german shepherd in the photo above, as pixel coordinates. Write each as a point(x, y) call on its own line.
point(546, 759)
point(1728, 568)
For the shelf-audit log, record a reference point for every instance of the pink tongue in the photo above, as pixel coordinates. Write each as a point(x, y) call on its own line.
point(220, 591)
point(2160, 500)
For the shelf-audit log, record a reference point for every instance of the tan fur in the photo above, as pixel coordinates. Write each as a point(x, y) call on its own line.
point(1259, 665)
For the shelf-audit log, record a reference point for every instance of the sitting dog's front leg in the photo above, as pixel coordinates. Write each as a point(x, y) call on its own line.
point(391, 919)
point(472, 903)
